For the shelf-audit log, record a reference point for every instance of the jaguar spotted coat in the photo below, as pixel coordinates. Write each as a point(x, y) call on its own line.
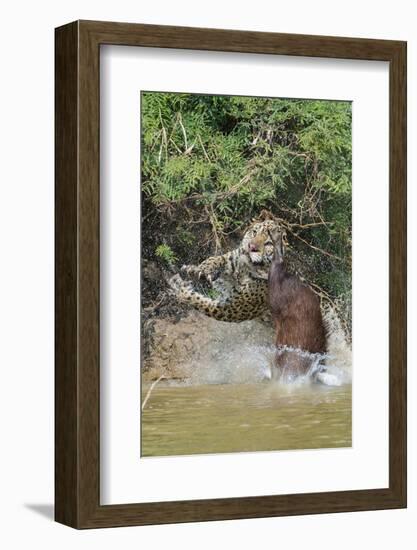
point(239, 278)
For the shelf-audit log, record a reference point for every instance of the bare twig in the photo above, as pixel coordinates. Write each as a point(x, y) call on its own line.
point(175, 145)
point(164, 140)
point(321, 292)
point(255, 141)
point(190, 148)
point(183, 130)
point(150, 391)
point(174, 127)
point(214, 222)
point(204, 149)
point(288, 226)
point(318, 249)
point(307, 225)
point(155, 139)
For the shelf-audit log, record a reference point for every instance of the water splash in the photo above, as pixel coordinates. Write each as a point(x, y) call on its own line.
point(338, 362)
point(200, 350)
point(294, 361)
point(248, 363)
point(239, 363)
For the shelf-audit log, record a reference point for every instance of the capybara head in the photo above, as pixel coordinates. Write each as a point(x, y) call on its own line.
point(280, 244)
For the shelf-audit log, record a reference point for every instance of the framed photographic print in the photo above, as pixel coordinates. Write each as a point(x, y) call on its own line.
point(230, 274)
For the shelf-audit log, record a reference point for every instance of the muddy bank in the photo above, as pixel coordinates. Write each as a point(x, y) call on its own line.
point(196, 345)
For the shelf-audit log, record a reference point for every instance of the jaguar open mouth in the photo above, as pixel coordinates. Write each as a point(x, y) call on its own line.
point(256, 258)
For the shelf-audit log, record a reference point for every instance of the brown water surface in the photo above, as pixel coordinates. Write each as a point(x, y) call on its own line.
point(265, 416)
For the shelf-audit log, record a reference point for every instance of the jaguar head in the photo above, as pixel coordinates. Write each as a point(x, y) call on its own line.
point(259, 239)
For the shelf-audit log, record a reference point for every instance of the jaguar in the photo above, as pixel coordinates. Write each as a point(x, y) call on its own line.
point(238, 279)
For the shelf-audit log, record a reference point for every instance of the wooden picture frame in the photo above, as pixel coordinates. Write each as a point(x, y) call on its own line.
point(77, 374)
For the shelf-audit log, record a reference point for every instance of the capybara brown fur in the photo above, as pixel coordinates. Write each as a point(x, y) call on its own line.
point(297, 318)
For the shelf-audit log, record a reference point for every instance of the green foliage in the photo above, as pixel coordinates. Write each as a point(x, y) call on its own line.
point(165, 253)
point(185, 236)
point(213, 162)
point(212, 293)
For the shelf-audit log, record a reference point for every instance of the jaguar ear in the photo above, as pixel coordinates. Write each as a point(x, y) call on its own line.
point(265, 215)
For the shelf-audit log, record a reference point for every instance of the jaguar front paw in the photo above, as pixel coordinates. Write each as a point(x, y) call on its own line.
point(176, 283)
point(189, 270)
point(200, 274)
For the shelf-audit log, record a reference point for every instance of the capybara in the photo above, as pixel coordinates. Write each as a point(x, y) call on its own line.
point(297, 317)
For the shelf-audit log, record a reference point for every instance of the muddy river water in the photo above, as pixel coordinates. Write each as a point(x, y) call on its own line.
point(181, 419)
